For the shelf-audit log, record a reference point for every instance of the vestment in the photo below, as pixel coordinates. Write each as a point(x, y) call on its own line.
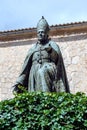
point(43, 69)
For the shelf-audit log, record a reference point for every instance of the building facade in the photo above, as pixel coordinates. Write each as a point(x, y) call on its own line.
point(72, 39)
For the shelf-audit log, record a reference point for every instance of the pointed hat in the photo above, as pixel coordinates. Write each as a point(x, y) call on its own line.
point(43, 25)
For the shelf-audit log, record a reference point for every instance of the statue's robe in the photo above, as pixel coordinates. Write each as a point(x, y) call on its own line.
point(43, 69)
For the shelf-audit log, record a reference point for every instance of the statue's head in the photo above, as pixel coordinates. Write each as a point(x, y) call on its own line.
point(42, 29)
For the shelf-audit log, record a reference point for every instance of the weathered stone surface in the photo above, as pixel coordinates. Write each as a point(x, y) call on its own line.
point(74, 53)
point(75, 60)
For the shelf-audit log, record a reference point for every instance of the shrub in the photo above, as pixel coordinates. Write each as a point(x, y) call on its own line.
point(44, 111)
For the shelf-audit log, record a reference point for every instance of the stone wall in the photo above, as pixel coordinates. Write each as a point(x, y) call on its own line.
point(74, 51)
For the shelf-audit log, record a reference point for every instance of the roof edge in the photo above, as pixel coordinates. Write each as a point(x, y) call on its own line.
point(61, 29)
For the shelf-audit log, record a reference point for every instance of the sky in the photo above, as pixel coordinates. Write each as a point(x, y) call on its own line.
point(20, 14)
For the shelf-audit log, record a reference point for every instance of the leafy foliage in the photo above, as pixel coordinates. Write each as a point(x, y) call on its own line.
point(44, 111)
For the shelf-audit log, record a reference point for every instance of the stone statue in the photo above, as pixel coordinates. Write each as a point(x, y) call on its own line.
point(43, 68)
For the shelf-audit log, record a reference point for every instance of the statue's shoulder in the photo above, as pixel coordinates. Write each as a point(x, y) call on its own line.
point(54, 45)
point(32, 49)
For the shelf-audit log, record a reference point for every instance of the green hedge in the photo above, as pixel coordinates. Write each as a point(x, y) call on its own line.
point(44, 111)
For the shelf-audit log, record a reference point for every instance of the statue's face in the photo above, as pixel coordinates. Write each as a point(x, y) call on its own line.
point(42, 35)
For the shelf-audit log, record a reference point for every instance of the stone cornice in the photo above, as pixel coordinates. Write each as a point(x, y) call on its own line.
point(72, 28)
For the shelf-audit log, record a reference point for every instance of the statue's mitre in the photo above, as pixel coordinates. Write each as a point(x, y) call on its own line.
point(43, 25)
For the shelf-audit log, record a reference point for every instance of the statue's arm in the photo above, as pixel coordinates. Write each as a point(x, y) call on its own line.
point(22, 79)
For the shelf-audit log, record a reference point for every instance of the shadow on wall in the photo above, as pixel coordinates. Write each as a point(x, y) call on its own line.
point(56, 39)
point(17, 43)
point(67, 38)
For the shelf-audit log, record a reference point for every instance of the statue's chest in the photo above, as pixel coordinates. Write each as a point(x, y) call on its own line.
point(40, 55)
point(44, 54)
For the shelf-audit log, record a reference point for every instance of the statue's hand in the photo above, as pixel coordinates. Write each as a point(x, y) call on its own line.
point(16, 89)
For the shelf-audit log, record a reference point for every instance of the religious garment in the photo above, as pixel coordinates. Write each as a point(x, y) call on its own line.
point(43, 69)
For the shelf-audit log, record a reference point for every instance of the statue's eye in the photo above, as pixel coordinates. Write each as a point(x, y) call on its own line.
point(41, 32)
